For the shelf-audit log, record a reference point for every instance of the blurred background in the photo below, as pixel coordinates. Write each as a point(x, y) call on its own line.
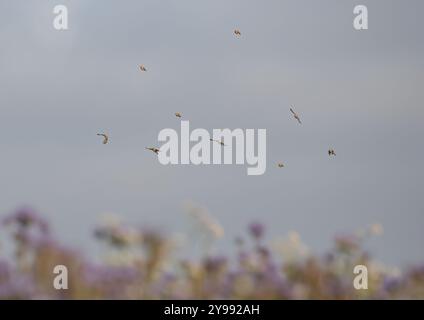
point(359, 92)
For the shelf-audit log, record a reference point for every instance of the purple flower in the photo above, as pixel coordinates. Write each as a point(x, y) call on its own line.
point(25, 218)
point(215, 264)
point(18, 286)
point(95, 274)
point(417, 272)
point(390, 284)
point(4, 270)
point(347, 243)
point(243, 258)
point(256, 230)
point(263, 252)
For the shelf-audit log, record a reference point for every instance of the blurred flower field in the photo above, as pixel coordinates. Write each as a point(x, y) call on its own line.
point(142, 264)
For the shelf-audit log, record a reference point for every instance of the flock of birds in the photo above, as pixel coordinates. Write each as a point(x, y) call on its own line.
point(155, 150)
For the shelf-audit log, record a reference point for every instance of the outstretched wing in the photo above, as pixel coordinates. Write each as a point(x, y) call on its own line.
point(105, 137)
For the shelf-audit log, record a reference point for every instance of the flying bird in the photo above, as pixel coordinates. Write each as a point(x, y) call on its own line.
point(105, 137)
point(280, 165)
point(295, 115)
point(220, 142)
point(155, 150)
point(331, 152)
point(178, 115)
point(142, 67)
point(237, 32)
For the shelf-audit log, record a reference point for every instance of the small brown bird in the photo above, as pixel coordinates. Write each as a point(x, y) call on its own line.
point(280, 165)
point(331, 152)
point(178, 115)
point(105, 137)
point(142, 68)
point(155, 150)
point(295, 115)
point(237, 32)
point(220, 142)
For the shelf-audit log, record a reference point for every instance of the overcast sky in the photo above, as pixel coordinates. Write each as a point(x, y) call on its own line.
point(359, 92)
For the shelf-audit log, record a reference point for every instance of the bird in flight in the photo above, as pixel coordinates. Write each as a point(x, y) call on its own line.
point(295, 115)
point(155, 150)
point(220, 142)
point(142, 67)
point(331, 152)
point(280, 165)
point(105, 137)
point(178, 115)
point(237, 32)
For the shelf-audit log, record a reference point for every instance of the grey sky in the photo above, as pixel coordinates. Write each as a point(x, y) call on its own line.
point(358, 92)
